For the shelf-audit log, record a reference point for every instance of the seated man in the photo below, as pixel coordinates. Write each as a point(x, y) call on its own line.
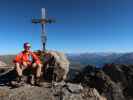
point(27, 59)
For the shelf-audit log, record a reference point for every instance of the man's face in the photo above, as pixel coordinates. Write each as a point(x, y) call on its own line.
point(27, 48)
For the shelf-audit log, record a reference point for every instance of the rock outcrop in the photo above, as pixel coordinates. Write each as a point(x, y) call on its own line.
point(92, 77)
point(122, 75)
point(59, 91)
point(61, 65)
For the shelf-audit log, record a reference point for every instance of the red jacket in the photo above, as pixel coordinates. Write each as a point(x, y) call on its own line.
point(28, 57)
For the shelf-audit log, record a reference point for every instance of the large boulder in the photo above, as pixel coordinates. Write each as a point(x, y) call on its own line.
point(92, 94)
point(61, 65)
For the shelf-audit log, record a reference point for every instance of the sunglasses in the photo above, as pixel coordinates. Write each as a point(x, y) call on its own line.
point(27, 47)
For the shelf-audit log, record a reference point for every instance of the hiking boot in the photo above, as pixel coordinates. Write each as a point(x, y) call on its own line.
point(30, 80)
point(20, 81)
point(37, 82)
point(14, 84)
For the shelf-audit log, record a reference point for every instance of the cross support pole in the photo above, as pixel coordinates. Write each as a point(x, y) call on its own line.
point(43, 21)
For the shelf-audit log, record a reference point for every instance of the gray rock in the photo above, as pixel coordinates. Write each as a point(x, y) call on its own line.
point(74, 88)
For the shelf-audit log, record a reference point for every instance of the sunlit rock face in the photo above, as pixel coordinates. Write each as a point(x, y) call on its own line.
point(61, 65)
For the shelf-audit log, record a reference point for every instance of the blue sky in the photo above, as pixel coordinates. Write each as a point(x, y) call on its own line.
point(81, 25)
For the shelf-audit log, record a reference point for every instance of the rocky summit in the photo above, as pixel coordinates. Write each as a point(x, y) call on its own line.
point(111, 82)
point(60, 91)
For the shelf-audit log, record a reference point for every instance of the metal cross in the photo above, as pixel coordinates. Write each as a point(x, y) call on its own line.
point(43, 21)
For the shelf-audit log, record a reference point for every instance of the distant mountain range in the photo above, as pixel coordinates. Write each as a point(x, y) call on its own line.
point(99, 59)
point(83, 59)
point(8, 59)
